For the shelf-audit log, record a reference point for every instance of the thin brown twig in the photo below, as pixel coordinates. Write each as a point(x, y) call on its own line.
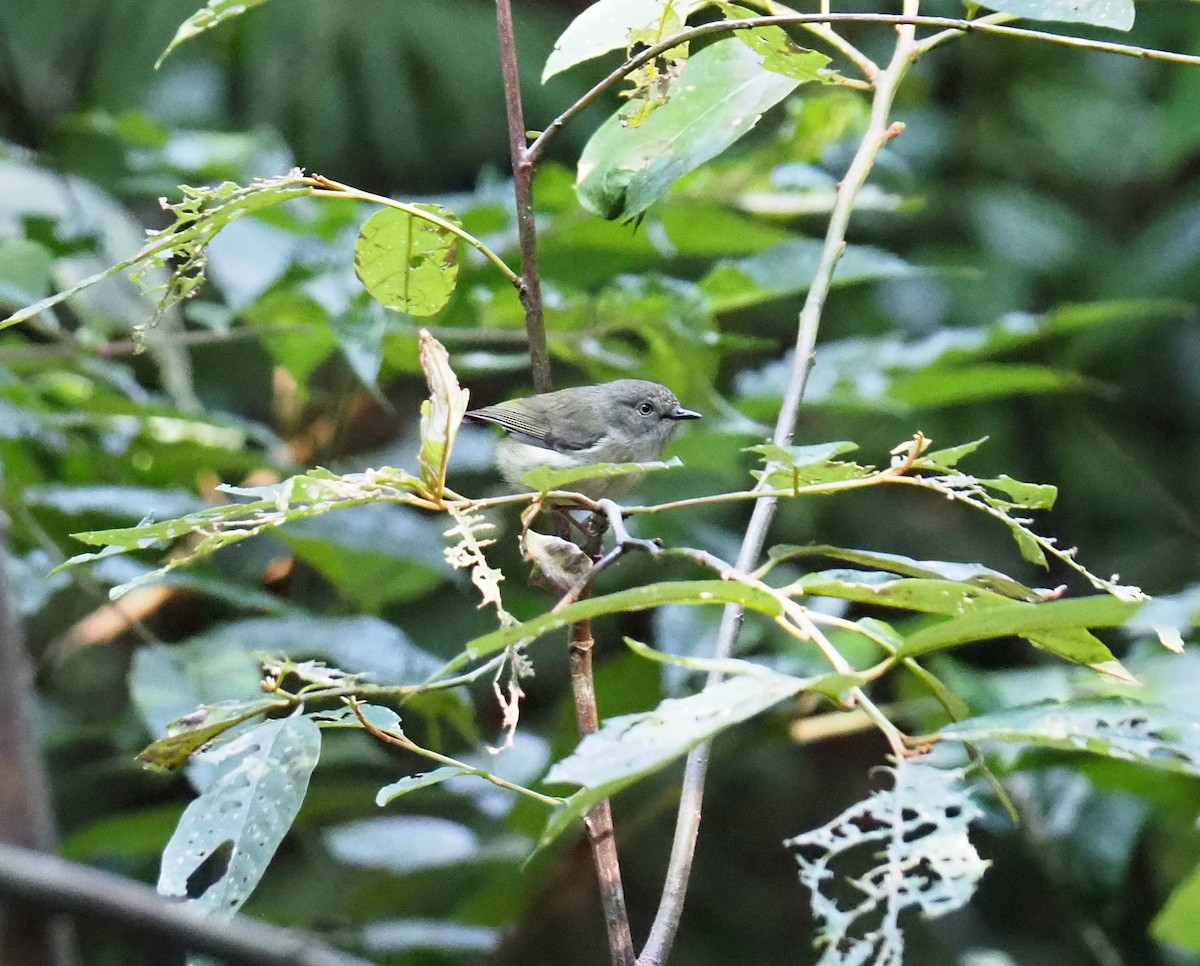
point(524, 165)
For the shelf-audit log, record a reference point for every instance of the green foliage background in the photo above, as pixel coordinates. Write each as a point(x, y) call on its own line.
point(1028, 179)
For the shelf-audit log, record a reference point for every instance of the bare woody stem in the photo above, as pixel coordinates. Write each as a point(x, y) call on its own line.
point(878, 133)
point(599, 821)
point(524, 165)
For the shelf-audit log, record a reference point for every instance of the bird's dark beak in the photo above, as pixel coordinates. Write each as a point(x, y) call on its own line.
point(681, 413)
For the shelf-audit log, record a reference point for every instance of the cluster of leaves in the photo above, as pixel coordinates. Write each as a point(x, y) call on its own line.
point(262, 725)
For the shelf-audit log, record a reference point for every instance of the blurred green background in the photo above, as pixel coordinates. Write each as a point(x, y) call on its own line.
point(1030, 181)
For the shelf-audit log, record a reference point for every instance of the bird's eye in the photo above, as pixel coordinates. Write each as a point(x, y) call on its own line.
point(645, 409)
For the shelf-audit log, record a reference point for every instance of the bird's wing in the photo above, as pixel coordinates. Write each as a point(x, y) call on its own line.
point(531, 428)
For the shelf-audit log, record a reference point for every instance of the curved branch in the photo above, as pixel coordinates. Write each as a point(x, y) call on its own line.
point(57, 885)
point(950, 27)
point(878, 133)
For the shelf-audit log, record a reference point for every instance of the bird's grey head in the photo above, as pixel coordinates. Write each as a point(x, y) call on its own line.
point(644, 410)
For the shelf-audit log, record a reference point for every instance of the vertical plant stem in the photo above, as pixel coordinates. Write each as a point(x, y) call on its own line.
point(599, 821)
point(878, 133)
point(26, 813)
point(530, 288)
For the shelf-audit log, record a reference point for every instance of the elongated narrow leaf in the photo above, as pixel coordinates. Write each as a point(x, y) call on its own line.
point(635, 745)
point(1100, 13)
point(1057, 621)
point(719, 96)
point(296, 498)
point(244, 814)
point(914, 839)
point(1153, 736)
point(407, 262)
point(197, 729)
point(545, 479)
point(207, 17)
point(636, 598)
point(410, 783)
point(972, 573)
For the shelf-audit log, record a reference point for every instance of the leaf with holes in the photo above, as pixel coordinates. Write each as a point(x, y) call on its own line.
point(228, 835)
point(915, 837)
point(1149, 735)
point(407, 262)
point(779, 52)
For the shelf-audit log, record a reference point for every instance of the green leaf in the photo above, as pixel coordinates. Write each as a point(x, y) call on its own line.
point(193, 731)
point(976, 574)
point(243, 814)
point(407, 262)
point(206, 18)
point(693, 592)
point(183, 244)
point(1178, 923)
point(632, 746)
point(833, 686)
point(1056, 624)
point(913, 839)
point(718, 97)
point(1117, 14)
point(410, 783)
point(942, 460)
point(797, 466)
point(1148, 735)
point(297, 498)
point(1032, 496)
point(543, 478)
point(606, 25)
point(779, 52)
point(787, 269)
point(441, 414)
point(957, 385)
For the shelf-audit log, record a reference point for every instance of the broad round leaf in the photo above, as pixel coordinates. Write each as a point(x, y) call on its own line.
point(407, 263)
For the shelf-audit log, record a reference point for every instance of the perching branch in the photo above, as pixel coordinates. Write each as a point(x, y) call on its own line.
point(56, 885)
point(524, 165)
point(878, 133)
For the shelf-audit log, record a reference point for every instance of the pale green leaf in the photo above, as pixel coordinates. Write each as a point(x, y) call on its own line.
point(193, 731)
point(718, 97)
point(632, 746)
point(410, 783)
point(543, 478)
point(1148, 735)
point(604, 26)
point(244, 813)
point(407, 262)
point(1117, 14)
point(441, 414)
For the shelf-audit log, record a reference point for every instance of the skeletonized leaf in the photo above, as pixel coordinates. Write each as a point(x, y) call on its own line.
point(914, 835)
point(406, 262)
point(244, 814)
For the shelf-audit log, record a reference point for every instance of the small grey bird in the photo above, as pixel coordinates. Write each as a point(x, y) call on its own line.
point(626, 421)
